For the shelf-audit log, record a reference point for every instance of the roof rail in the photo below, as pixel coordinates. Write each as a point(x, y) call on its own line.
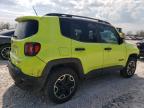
point(77, 16)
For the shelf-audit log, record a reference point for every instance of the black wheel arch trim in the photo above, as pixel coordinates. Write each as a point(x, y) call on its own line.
point(73, 63)
point(133, 55)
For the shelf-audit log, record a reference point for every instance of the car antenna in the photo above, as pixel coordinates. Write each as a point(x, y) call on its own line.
point(35, 11)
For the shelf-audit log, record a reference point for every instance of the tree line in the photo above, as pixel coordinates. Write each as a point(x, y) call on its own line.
point(138, 33)
point(4, 25)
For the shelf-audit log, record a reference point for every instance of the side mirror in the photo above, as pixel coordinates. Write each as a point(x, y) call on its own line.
point(122, 35)
point(121, 40)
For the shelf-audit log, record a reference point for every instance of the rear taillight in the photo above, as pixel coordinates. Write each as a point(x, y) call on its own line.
point(32, 48)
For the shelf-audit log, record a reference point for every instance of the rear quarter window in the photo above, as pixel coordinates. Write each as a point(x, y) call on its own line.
point(26, 29)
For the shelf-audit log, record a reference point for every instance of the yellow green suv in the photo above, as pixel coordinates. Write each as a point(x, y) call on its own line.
point(55, 51)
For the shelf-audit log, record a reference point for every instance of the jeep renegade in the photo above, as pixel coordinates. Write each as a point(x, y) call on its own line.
point(53, 52)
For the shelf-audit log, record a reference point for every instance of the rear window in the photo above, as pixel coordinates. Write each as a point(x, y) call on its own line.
point(26, 29)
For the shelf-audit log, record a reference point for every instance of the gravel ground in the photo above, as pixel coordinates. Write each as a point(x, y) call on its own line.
point(107, 90)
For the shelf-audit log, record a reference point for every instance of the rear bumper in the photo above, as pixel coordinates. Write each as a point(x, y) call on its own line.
point(24, 81)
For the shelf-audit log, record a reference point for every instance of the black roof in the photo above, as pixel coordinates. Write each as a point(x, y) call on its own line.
point(77, 16)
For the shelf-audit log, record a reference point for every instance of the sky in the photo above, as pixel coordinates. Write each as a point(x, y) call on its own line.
point(127, 14)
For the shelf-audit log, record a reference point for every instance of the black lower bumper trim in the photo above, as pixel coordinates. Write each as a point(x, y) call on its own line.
point(24, 81)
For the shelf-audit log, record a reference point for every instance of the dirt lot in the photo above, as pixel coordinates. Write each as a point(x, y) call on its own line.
point(108, 90)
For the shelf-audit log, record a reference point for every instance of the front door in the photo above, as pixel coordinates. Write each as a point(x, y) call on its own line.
point(114, 53)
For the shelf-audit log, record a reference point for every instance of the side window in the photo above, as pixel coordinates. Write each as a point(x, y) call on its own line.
point(108, 34)
point(84, 31)
point(79, 30)
point(92, 32)
point(65, 25)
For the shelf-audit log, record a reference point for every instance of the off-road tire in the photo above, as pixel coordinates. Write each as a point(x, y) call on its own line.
point(130, 68)
point(53, 80)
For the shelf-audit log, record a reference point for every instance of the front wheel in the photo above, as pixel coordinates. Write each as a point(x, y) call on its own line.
point(130, 68)
point(61, 85)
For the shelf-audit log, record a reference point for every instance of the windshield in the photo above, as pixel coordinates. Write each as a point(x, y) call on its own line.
point(26, 29)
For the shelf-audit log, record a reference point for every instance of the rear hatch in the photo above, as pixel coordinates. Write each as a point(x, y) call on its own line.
point(27, 27)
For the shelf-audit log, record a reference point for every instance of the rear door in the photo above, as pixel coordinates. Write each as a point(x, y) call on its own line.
point(84, 42)
point(85, 45)
point(114, 53)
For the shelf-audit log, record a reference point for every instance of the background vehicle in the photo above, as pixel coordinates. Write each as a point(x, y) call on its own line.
point(55, 51)
point(127, 38)
point(140, 46)
point(139, 38)
point(5, 43)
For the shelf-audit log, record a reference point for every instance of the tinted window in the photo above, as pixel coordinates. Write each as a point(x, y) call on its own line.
point(79, 30)
point(108, 34)
point(65, 25)
point(26, 29)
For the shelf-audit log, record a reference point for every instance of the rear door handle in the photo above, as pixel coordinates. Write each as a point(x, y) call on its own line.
point(79, 49)
point(108, 49)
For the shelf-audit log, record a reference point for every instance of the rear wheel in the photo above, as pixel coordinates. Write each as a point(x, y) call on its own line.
point(5, 52)
point(61, 85)
point(130, 68)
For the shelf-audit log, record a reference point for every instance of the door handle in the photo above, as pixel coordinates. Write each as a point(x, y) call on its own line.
point(108, 49)
point(79, 49)
point(121, 59)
